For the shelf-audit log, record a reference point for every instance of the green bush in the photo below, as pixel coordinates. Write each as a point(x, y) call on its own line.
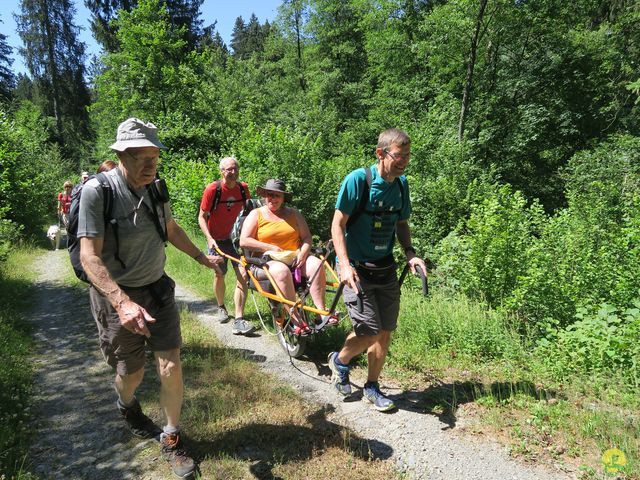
point(311, 174)
point(588, 253)
point(31, 169)
point(488, 253)
point(603, 342)
point(186, 181)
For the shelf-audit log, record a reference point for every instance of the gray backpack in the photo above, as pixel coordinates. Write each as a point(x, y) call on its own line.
point(249, 205)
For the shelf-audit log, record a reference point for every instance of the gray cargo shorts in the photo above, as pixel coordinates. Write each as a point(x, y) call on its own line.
point(123, 350)
point(380, 305)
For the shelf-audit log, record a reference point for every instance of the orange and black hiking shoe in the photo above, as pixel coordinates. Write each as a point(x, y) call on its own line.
point(182, 464)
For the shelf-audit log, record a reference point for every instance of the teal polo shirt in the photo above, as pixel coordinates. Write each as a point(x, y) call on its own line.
point(372, 236)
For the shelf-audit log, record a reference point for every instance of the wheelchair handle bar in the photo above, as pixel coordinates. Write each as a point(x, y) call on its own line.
point(421, 274)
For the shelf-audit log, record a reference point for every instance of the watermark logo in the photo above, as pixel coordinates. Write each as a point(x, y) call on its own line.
point(613, 461)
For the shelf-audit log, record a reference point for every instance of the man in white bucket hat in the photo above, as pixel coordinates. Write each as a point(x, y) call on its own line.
point(132, 299)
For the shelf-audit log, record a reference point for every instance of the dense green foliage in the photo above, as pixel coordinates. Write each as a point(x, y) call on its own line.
point(31, 174)
point(525, 126)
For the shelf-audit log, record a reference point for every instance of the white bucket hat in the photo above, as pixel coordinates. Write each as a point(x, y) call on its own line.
point(133, 132)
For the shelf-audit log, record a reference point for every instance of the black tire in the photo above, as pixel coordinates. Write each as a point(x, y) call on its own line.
point(294, 345)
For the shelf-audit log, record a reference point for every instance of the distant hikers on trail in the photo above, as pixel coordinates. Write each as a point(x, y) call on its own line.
point(221, 203)
point(132, 299)
point(373, 207)
point(64, 204)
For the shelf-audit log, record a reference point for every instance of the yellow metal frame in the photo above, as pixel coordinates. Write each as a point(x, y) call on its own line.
point(278, 296)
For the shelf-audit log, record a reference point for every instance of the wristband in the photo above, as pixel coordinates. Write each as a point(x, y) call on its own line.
point(200, 254)
point(409, 249)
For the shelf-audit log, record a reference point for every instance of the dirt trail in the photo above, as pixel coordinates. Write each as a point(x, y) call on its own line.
point(79, 436)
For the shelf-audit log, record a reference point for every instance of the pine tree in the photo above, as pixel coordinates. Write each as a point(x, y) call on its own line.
point(238, 38)
point(55, 59)
point(182, 13)
point(7, 78)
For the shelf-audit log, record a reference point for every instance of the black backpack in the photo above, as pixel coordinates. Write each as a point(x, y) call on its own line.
point(159, 194)
point(216, 198)
point(73, 244)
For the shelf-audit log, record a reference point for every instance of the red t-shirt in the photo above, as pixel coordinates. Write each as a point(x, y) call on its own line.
point(65, 202)
point(221, 219)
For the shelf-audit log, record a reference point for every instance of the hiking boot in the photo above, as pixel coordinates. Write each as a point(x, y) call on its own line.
point(221, 315)
point(242, 327)
point(172, 451)
point(139, 424)
point(339, 375)
point(372, 394)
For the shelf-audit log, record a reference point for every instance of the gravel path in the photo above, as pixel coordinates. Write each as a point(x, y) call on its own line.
point(78, 435)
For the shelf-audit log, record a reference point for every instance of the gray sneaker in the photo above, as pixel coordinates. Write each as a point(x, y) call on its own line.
point(242, 327)
point(339, 376)
point(221, 315)
point(371, 393)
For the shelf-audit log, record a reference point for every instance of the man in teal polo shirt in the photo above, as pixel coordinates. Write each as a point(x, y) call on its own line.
point(370, 213)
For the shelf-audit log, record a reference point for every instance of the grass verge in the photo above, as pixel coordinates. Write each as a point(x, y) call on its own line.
point(242, 423)
point(16, 373)
point(472, 368)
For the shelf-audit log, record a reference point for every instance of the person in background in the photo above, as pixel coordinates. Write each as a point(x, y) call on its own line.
point(64, 203)
point(221, 203)
point(132, 298)
point(106, 166)
point(364, 251)
point(84, 177)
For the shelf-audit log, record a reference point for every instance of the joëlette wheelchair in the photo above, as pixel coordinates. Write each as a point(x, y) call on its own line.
point(267, 297)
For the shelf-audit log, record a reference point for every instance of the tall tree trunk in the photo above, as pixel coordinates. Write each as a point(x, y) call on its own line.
point(468, 84)
point(51, 64)
point(297, 15)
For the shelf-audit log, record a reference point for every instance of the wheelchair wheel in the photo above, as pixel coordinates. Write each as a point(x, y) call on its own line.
point(293, 344)
point(277, 322)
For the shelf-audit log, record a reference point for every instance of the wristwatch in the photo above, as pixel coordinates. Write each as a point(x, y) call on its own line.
point(409, 249)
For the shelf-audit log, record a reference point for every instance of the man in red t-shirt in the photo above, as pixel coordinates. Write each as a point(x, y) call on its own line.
point(216, 222)
point(64, 203)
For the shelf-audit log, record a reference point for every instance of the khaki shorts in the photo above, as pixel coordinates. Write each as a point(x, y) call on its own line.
point(380, 305)
point(123, 350)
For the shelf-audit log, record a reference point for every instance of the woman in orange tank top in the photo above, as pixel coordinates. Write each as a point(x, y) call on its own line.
point(277, 227)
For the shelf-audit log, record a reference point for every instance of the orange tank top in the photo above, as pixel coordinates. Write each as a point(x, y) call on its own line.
point(283, 233)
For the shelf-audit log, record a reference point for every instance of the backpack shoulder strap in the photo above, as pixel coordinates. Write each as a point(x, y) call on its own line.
point(216, 196)
point(364, 198)
point(108, 196)
point(244, 188)
point(403, 193)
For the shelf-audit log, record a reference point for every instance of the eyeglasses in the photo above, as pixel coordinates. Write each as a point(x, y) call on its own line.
point(230, 169)
point(398, 157)
point(146, 159)
point(274, 194)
